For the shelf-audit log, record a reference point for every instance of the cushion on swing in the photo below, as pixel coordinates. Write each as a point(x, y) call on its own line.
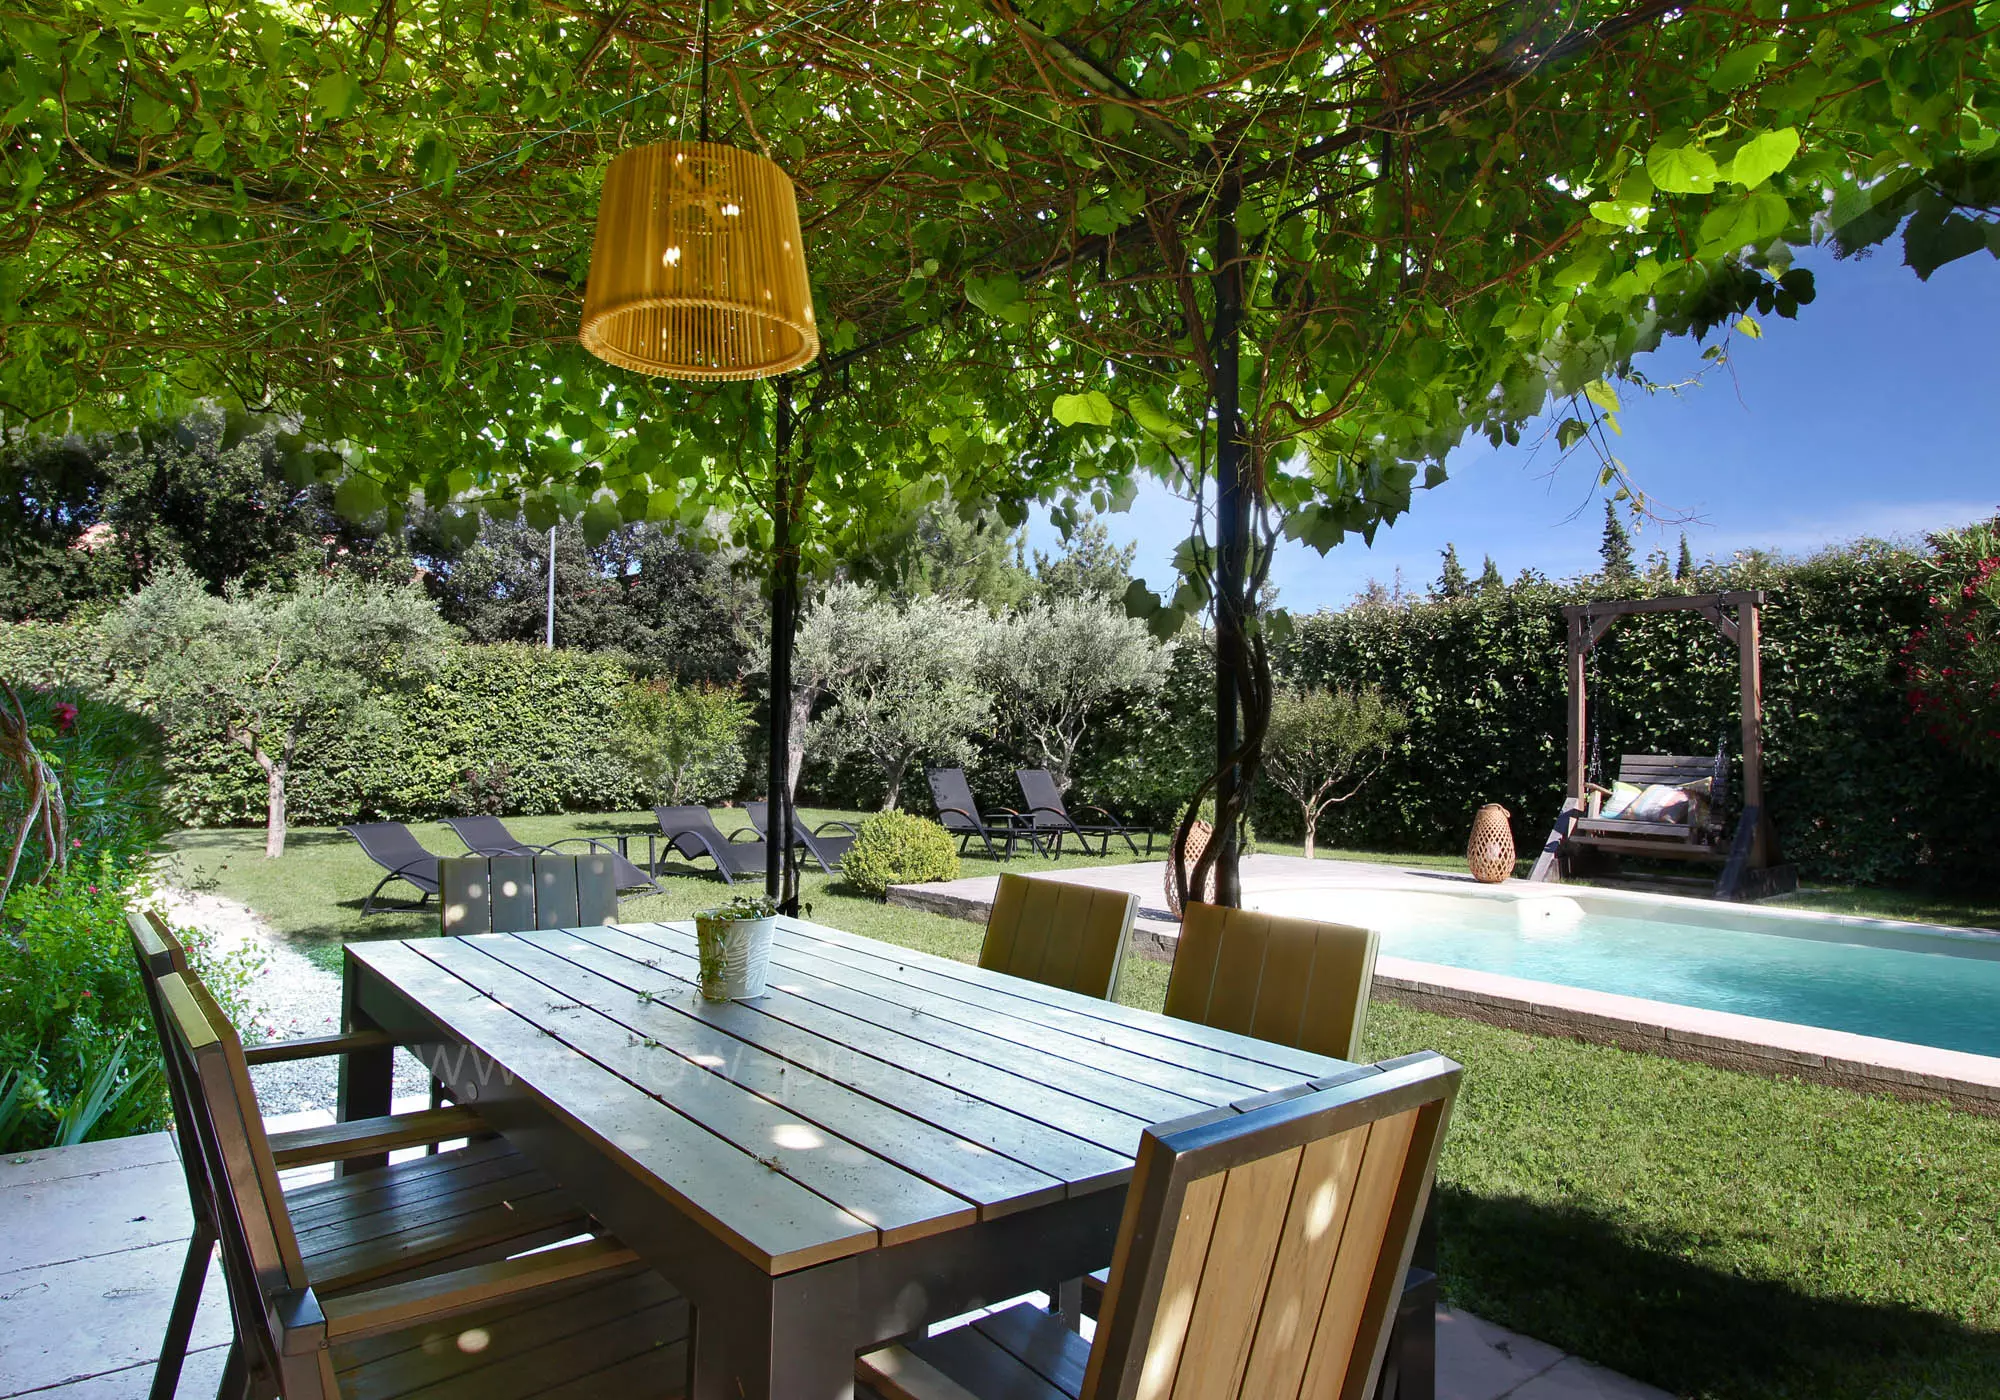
point(1622, 796)
point(1660, 803)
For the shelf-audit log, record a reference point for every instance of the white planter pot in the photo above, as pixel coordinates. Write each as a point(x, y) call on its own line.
point(735, 955)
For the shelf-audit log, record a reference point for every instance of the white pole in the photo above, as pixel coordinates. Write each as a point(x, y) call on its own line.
point(550, 642)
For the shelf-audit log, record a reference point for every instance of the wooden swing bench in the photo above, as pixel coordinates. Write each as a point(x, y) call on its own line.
point(1700, 838)
point(1585, 843)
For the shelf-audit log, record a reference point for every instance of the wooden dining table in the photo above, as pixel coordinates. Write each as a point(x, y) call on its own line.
point(885, 1139)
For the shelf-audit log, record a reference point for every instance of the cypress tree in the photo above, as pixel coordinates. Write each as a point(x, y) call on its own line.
point(1489, 577)
point(1617, 546)
point(1452, 581)
point(1684, 569)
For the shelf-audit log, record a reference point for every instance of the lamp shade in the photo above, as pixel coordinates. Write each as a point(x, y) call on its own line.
point(698, 270)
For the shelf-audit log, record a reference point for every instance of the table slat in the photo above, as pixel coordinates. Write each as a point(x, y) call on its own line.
point(764, 1216)
point(646, 968)
point(1052, 1104)
point(1067, 1008)
point(791, 972)
point(1023, 1023)
point(900, 1205)
point(967, 1169)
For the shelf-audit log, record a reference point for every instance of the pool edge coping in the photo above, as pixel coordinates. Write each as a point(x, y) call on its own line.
point(1722, 1038)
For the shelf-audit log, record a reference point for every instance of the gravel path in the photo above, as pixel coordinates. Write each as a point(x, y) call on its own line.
point(291, 997)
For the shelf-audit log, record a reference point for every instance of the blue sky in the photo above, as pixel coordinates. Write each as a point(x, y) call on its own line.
point(1874, 413)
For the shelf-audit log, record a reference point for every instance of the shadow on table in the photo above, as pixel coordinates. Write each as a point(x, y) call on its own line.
point(1578, 1282)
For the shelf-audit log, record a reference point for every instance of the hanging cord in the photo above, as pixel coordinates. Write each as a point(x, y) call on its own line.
point(704, 72)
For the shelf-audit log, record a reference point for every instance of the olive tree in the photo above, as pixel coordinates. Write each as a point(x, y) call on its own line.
point(1324, 745)
point(684, 741)
point(268, 669)
point(1055, 666)
point(907, 686)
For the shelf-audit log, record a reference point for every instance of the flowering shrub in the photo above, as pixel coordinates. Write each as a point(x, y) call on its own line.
point(1952, 662)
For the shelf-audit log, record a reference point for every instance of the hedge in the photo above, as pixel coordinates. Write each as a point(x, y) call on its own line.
point(1856, 791)
point(545, 717)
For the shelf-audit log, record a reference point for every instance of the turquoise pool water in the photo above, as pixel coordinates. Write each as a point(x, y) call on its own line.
point(1909, 985)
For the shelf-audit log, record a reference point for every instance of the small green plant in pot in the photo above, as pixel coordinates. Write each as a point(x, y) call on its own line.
point(735, 947)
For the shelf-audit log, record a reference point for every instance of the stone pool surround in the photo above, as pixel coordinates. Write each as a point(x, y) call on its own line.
point(1867, 1064)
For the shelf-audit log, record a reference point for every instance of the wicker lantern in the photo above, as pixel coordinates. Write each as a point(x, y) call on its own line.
point(698, 270)
point(1197, 842)
point(1490, 853)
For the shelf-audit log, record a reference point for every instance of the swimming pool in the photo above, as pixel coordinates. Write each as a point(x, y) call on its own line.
point(1913, 983)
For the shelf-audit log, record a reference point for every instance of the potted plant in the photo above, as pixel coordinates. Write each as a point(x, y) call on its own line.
point(735, 947)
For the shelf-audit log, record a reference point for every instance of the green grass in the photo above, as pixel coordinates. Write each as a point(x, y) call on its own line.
point(1715, 1234)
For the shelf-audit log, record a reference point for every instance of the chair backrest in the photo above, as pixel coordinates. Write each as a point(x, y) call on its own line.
point(511, 894)
point(675, 820)
point(1058, 934)
point(952, 793)
point(1295, 982)
point(160, 955)
point(760, 817)
point(1313, 1202)
point(1044, 798)
point(390, 845)
point(485, 835)
point(260, 1251)
point(1673, 769)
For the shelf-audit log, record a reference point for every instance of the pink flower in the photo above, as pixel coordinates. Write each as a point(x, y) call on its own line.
point(93, 889)
point(65, 716)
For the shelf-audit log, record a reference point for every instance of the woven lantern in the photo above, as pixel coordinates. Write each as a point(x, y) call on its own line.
point(1197, 842)
point(1490, 853)
point(698, 270)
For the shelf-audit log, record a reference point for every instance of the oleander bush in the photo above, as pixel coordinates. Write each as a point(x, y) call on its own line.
point(896, 848)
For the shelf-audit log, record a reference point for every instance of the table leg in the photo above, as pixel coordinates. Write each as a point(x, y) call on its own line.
point(1066, 1302)
point(795, 1343)
point(366, 1076)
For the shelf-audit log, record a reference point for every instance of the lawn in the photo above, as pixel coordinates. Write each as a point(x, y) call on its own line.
point(1715, 1234)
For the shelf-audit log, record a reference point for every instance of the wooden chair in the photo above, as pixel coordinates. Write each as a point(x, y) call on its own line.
point(1058, 934)
point(512, 894)
point(470, 1205)
point(582, 1315)
point(1294, 982)
point(1311, 1202)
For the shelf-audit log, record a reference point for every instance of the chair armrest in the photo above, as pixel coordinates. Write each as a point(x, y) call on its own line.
point(1598, 788)
point(368, 1137)
point(849, 827)
point(737, 836)
point(400, 1305)
point(900, 1374)
point(958, 812)
point(1104, 812)
point(313, 1046)
point(297, 1321)
point(1035, 814)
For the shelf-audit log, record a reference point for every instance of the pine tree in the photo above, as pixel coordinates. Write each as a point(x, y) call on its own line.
point(1489, 577)
point(1684, 570)
point(1452, 581)
point(1617, 546)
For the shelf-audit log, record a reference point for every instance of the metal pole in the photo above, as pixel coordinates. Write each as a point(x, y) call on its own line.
point(550, 640)
point(781, 876)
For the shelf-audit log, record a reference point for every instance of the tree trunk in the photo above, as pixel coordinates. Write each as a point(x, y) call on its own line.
point(1312, 821)
point(894, 773)
point(1232, 544)
point(274, 804)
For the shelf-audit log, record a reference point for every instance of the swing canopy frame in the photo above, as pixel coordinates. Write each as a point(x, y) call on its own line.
point(1749, 857)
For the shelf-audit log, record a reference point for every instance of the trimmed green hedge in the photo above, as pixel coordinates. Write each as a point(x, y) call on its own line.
point(535, 724)
point(1856, 791)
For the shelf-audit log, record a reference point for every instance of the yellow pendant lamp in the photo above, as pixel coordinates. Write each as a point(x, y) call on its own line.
point(698, 270)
